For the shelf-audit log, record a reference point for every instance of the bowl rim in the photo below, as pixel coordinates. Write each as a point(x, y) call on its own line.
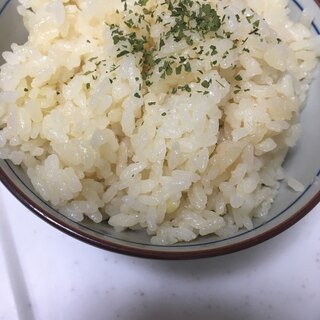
point(54, 221)
point(148, 253)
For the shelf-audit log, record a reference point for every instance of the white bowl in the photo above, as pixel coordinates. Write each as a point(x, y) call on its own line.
point(303, 163)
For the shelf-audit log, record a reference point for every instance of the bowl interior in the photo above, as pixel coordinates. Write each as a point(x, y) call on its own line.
point(302, 163)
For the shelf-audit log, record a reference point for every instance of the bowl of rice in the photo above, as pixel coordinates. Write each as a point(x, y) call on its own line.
point(168, 129)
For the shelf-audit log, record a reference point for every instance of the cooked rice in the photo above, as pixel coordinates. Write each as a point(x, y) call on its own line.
point(197, 152)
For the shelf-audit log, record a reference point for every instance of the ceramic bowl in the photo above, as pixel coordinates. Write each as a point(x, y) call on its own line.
point(303, 162)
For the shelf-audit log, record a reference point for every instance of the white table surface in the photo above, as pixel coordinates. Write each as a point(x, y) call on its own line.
point(46, 275)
